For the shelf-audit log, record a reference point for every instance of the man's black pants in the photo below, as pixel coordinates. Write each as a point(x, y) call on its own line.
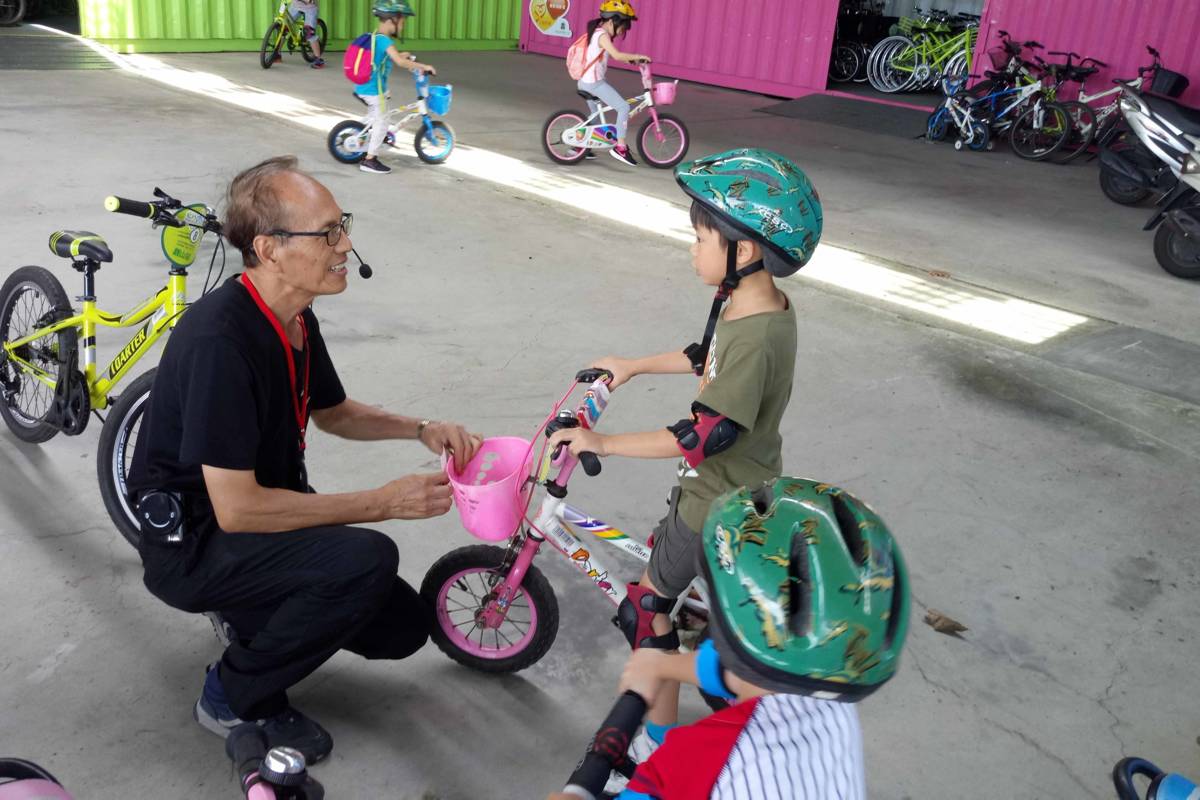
point(294, 599)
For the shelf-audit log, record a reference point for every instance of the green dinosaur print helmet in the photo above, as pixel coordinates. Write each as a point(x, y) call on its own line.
point(809, 592)
point(762, 196)
point(392, 8)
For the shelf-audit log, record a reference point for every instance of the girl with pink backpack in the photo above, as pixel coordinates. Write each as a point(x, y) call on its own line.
point(587, 62)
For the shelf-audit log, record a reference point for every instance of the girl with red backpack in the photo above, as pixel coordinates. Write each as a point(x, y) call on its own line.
point(615, 20)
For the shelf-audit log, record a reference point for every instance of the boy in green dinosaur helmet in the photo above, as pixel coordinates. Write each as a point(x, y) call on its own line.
point(757, 218)
point(809, 611)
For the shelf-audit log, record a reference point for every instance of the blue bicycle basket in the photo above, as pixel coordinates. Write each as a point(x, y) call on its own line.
point(439, 99)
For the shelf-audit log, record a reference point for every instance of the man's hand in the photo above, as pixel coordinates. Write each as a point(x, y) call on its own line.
point(578, 440)
point(417, 496)
point(439, 436)
point(645, 672)
point(622, 369)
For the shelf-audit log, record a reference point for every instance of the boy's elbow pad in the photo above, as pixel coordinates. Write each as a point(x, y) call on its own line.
point(704, 434)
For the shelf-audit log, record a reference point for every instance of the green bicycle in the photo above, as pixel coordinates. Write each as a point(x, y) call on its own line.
point(43, 390)
point(287, 30)
point(925, 51)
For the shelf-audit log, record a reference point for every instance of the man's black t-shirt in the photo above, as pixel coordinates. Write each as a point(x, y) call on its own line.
point(222, 397)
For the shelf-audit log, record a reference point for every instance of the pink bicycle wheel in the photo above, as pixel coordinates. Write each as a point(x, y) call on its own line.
point(459, 588)
point(663, 145)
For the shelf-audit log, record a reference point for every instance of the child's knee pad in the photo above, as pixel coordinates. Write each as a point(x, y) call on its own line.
point(636, 614)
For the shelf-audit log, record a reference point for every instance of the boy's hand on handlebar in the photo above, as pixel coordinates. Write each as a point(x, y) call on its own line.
point(446, 436)
point(578, 440)
point(417, 496)
point(645, 672)
point(622, 369)
point(417, 66)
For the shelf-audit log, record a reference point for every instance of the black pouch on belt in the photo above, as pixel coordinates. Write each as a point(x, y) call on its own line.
point(161, 514)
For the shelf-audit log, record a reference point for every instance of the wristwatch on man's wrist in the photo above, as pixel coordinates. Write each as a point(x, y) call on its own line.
point(421, 426)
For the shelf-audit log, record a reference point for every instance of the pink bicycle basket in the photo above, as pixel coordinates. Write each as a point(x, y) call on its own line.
point(491, 493)
point(664, 93)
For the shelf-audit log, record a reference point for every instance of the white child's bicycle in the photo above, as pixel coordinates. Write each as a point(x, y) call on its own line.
point(434, 141)
point(494, 610)
point(663, 139)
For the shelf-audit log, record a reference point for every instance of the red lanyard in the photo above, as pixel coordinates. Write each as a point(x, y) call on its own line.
point(299, 399)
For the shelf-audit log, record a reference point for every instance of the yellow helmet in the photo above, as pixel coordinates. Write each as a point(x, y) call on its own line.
point(617, 8)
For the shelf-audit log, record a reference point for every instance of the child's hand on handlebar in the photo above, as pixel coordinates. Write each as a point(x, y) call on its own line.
point(417, 66)
point(578, 440)
point(622, 369)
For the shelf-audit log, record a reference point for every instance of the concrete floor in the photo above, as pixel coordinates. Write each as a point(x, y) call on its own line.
point(1042, 494)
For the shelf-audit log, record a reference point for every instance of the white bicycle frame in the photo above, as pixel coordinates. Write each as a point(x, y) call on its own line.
point(589, 139)
point(1104, 112)
point(555, 518)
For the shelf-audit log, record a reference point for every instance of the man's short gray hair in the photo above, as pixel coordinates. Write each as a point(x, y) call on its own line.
point(253, 205)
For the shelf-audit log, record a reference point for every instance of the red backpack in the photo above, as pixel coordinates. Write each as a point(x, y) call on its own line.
point(359, 61)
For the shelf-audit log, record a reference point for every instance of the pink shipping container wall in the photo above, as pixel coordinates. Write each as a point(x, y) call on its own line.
point(781, 47)
point(770, 46)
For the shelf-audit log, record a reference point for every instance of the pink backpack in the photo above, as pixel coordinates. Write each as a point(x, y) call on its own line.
point(577, 63)
point(359, 61)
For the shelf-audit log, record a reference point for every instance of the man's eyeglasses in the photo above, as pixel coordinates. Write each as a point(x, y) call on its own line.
point(332, 235)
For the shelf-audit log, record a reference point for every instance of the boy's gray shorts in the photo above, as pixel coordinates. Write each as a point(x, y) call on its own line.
point(673, 557)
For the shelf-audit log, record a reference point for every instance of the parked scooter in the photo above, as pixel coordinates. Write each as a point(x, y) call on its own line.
point(1169, 132)
point(1138, 173)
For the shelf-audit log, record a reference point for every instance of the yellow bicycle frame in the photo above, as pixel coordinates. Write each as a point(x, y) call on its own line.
point(157, 315)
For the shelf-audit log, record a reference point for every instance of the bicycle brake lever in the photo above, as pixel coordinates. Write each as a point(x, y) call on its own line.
point(592, 374)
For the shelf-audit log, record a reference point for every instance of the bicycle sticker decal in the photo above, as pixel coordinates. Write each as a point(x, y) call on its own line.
point(583, 559)
point(550, 16)
point(179, 245)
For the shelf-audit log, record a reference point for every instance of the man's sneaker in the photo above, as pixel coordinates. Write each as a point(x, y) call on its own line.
point(318, 63)
point(374, 165)
point(623, 155)
point(640, 749)
point(289, 729)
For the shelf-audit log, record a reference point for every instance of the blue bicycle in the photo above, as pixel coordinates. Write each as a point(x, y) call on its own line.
point(434, 141)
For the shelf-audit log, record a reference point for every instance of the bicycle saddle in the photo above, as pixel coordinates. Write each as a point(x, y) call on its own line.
point(80, 244)
point(591, 98)
point(1186, 118)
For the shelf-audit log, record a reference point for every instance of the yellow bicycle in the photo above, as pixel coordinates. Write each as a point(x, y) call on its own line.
point(286, 30)
point(43, 388)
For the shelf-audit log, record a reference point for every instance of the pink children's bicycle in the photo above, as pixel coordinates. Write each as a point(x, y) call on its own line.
point(495, 611)
point(662, 140)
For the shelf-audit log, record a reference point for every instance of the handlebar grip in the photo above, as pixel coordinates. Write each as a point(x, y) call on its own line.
point(135, 208)
point(610, 744)
point(590, 462)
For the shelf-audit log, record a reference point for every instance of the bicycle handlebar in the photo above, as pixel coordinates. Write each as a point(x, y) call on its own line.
point(160, 212)
point(608, 748)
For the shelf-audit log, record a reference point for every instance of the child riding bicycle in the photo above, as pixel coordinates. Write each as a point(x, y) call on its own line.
point(809, 612)
point(615, 20)
point(310, 11)
point(757, 217)
point(392, 15)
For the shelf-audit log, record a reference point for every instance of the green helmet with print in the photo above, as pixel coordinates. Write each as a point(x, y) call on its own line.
point(809, 591)
point(392, 8)
point(760, 195)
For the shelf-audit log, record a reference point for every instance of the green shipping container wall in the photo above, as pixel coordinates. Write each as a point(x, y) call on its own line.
point(174, 26)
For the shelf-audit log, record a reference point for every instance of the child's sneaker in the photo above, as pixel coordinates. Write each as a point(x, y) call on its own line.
point(623, 155)
point(289, 729)
point(374, 165)
point(318, 63)
point(389, 139)
point(590, 154)
point(640, 750)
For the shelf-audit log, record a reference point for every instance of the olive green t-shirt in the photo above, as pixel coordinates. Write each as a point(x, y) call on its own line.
point(748, 378)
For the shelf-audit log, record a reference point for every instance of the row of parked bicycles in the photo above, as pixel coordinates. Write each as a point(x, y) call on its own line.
point(919, 52)
point(1147, 141)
